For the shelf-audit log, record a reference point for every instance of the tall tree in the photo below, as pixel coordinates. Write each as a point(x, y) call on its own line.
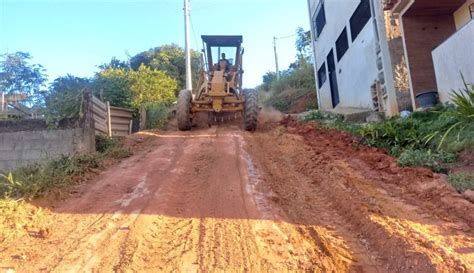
point(170, 59)
point(114, 63)
point(19, 77)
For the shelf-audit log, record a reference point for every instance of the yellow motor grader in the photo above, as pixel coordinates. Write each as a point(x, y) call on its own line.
point(219, 90)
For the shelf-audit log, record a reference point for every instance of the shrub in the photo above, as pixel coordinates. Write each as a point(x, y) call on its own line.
point(461, 117)
point(462, 181)
point(103, 143)
point(157, 115)
point(425, 158)
point(35, 180)
point(394, 132)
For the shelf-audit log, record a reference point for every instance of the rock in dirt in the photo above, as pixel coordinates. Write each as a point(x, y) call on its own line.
point(469, 195)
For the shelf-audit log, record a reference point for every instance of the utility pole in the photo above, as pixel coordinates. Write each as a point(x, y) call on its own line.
point(276, 57)
point(275, 49)
point(189, 83)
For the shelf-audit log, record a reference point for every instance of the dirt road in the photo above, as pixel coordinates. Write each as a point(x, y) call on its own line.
point(286, 198)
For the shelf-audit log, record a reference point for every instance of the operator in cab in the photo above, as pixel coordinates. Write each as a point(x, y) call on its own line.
point(224, 64)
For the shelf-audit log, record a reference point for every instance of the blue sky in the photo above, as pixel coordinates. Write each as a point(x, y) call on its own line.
point(72, 36)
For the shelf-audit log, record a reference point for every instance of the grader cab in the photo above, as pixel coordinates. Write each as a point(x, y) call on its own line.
point(219, 90)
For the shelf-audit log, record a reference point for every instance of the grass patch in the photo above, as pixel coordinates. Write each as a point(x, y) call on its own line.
point(425, 158)
point(294, 86)
point(37, 180)
point(462, 181)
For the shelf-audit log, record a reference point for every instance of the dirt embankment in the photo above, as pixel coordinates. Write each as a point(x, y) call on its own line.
point(289, 197)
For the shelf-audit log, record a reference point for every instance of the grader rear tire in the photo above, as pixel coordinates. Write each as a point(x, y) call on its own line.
point(183, 112)
point(251, 109)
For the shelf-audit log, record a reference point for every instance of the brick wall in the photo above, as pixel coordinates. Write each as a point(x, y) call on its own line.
point(26, 147)
point(422, 35)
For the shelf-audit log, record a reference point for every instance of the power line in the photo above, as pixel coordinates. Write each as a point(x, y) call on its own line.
point(284, 37)
point(194, 32)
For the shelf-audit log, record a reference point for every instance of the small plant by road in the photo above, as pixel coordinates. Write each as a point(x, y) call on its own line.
point(429, 139)
point(37, 180)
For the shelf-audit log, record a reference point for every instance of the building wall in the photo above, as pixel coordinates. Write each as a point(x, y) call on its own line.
point(26, 147)
point(453, 57)
point(357, 70)
point(462, 16)
point(422, 34)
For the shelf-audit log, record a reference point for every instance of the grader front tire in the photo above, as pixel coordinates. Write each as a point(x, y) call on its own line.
point(251, 109)
point(183, 113)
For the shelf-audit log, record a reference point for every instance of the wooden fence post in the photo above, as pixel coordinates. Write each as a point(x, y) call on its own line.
point(109, 121)
point(142, 118)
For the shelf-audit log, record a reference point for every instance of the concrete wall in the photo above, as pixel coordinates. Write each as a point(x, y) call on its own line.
point(462, 16)
point(451, 58)
point(357, 70)
point(26, 147)
point(422, 34)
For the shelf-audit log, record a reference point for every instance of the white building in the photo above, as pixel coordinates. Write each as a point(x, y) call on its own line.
point(365, 58)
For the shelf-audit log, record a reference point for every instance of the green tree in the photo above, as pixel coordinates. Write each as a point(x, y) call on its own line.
point(64, 97)
point(130, 88)
point(170, 59)
point(115, 63)
point(150, 85)
point(303, 44)
point(19, 77)
point(113, 85)
point(268, 79)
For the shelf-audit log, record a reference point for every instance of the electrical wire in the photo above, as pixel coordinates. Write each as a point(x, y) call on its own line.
point(285, 37)
point(194, 32)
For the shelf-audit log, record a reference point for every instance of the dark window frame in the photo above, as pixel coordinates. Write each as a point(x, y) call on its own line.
point(360, 18)
point(319, 19)
point(322, 75)
point(342, 44)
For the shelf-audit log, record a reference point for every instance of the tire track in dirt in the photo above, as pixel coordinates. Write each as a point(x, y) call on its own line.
point(88, 227)
point(286, 199)
point(406, 234)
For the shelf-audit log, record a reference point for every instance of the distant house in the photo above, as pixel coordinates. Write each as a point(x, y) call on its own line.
point(379, 55)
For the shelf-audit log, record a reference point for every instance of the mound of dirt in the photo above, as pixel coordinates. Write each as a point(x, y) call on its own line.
point(418, 183)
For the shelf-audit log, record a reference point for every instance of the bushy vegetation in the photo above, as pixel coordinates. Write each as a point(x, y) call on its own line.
point(427, 139)
point(294, 83)
point(425, 158)
point(64, 98)
point(462, 181)
point(158, 115)
point(130, 88)
point(39, 179)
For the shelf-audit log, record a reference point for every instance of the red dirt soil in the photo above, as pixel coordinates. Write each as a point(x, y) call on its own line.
point(290, 197)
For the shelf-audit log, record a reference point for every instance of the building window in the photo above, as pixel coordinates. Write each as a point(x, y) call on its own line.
point(342, 45)
point(319, 20)
point(360, 18)
point(322, 75)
